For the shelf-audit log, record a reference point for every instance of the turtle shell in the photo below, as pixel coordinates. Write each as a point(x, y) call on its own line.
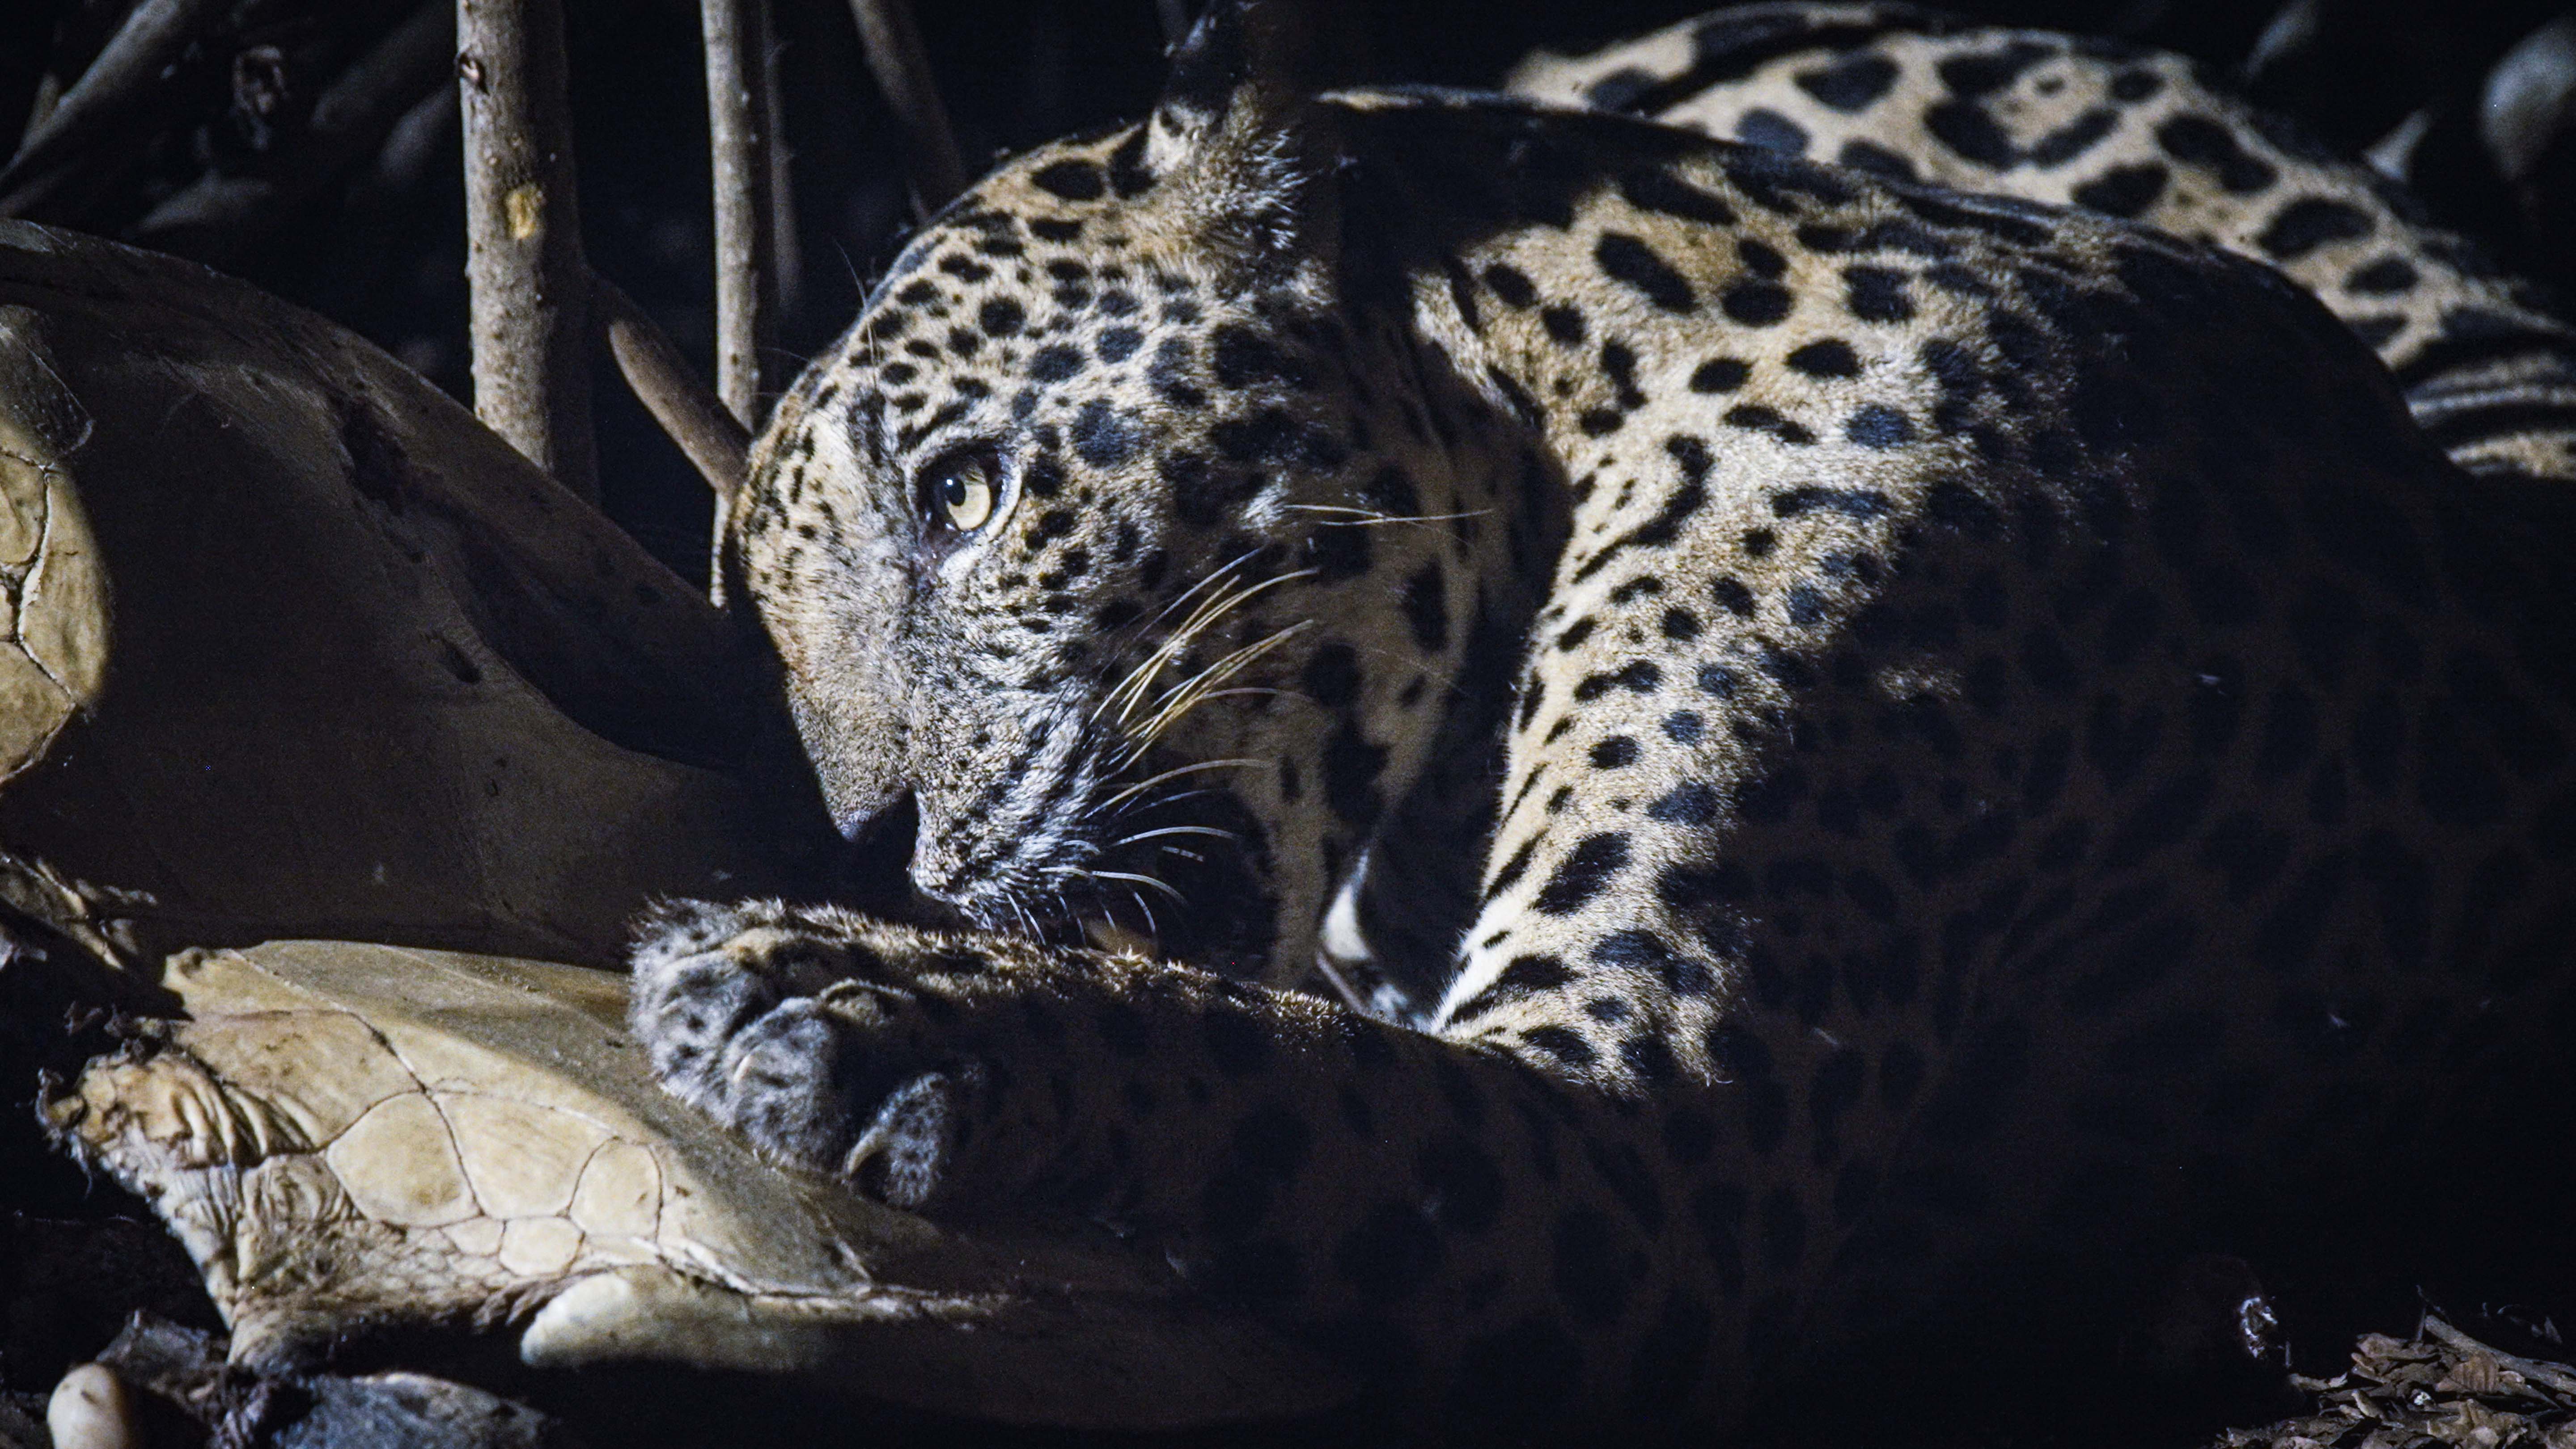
point(351, 1139)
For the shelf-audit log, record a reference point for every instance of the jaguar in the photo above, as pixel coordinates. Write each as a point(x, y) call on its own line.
point(1578, 761)
point(2488, 370)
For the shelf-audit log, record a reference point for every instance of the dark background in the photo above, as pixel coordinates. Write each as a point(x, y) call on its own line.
point(381, 248)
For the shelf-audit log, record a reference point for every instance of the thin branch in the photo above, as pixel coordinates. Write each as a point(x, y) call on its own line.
point(126, 74)
point(49, 94)
point(717, 443)
point(2549, 1375)
point(738, 113)
point(214, 219)
point(530, 287)
point(789, 254)
point(902, 71)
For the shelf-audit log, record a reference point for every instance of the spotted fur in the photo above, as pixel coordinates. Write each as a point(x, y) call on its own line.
point(1917, 731)
point(2132, 133)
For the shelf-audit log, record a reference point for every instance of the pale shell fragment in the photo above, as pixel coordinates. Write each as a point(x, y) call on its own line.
point(399, 1165)
point(620, 1195)
point(539, 1247)
point(525, 1160)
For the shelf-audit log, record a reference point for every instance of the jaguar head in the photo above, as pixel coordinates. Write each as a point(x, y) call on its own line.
point(1099, 540)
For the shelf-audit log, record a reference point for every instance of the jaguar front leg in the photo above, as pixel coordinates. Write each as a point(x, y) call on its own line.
point(748, 1011)
point(1447, 1214)
point(1002, 1068)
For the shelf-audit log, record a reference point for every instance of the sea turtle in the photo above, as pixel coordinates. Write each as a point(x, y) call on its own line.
point(351, 1138)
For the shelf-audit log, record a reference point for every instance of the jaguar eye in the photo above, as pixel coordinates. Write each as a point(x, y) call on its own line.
point(964, 490)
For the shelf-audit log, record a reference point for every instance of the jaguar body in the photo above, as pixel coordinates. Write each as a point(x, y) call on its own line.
point(1572, 758)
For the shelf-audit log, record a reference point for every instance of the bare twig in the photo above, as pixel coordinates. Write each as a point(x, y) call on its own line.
point(49, 94)
point(2548, 1375)
point(716, 442)
point(902, 72)
point(738, 115)
point(784, 246)
point(125, 74)
point(691, 416)
point(214, 219)
point(530, 286)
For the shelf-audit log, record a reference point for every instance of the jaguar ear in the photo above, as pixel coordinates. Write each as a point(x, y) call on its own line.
point(1238, 131)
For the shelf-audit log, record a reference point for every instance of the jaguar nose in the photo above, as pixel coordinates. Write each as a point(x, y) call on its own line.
point(876, 868)
point(872, 826)
point(874, 872)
